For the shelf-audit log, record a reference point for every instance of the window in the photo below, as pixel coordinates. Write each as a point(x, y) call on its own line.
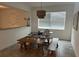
point(53, 20)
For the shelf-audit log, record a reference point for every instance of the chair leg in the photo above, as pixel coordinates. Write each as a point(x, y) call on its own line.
point(51, 54)
point(57, 45)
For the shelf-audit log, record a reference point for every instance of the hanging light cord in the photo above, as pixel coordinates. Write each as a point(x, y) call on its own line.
point(41, 4)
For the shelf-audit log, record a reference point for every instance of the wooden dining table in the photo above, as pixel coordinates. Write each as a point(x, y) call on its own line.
point(24, 42)
point(27, 42)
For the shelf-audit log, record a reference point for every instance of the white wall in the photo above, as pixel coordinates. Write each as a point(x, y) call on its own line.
point(75, 34)
point(75, 41)
point(65, 34)
point(9, 37)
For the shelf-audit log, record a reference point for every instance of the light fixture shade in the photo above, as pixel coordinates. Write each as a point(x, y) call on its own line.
point(41, 13)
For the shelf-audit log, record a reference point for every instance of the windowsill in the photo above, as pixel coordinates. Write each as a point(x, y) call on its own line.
point(54, 28)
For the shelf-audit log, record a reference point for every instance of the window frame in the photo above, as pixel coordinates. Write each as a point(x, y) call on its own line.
point(54, 28)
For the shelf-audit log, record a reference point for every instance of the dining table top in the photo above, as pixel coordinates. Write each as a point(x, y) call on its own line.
point(27, 39)
point(30, 40)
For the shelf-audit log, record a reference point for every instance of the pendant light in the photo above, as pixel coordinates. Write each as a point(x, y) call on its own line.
point(41, 13)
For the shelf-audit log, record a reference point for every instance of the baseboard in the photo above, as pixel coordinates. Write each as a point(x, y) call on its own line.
point(64, 39)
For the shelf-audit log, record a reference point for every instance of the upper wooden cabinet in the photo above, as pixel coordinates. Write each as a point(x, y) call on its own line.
point(12, 18)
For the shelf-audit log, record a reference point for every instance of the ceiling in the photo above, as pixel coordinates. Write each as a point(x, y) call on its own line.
point(38, 4)
point(28, 5)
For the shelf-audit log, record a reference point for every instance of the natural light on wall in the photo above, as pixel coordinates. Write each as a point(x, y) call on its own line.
point(53, 20)
point(2, 6)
